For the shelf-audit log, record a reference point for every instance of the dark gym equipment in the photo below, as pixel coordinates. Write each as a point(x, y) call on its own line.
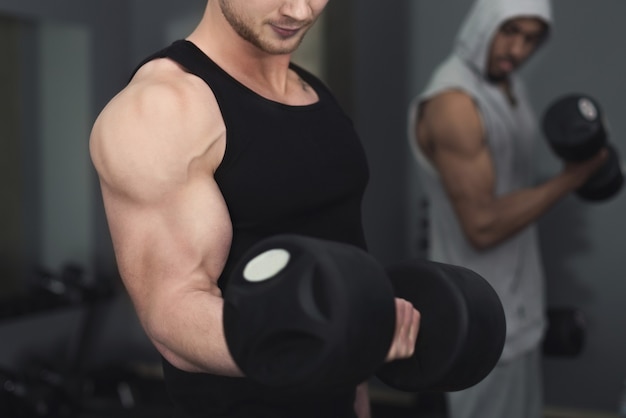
point(575, 128)
point(322, 316)
point(462, 329)
point(324, 321)
point(605, 182)
point(64, 385)
point(566, 332)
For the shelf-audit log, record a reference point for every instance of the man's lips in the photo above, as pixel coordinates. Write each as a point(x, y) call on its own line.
point(507, 65)
point(286, 31)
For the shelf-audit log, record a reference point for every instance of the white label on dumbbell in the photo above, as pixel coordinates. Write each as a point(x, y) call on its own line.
point(266, 265)
point(587, 109)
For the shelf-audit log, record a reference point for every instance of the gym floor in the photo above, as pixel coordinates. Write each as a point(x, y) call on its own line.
point(148, 399)
point(387, 403)
point(119, 394)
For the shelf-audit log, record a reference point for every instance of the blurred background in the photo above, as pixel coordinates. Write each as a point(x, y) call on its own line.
point(66, 323)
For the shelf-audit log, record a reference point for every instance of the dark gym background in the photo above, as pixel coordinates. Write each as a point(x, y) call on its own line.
point(63, 60)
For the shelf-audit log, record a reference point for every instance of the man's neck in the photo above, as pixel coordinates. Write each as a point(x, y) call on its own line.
point(505, 85)
point(239, 58)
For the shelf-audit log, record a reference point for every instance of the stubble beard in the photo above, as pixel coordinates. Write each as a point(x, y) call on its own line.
point(245, 31)
point(497, 76)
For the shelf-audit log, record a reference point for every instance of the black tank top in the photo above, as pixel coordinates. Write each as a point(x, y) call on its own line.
point(286, 169)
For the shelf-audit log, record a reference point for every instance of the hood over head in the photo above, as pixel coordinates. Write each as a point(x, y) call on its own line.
point(485, 18)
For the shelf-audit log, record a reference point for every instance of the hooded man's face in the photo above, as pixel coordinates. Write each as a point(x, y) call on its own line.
point(514, 42)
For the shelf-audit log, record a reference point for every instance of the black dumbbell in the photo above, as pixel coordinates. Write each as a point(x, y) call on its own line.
point(607, 181)
point(309, 314)
point(576, 131)
point(462, 322)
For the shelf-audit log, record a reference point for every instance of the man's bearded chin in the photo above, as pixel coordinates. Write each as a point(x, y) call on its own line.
point(497, 78)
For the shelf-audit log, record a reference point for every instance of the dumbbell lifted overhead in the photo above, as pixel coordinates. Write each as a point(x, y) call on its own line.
point(308, 314)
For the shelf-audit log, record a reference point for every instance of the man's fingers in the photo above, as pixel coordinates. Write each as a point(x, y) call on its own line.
point(407, 328)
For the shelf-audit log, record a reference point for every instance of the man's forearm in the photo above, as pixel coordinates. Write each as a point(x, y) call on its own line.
point(362, 401)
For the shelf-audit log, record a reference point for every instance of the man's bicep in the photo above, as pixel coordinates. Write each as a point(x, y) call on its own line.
point(179, 240)
point(160, 195)
point(453, 123)
point(468, 178)
point(170, 255)
point(460, 152)
point(169, 222)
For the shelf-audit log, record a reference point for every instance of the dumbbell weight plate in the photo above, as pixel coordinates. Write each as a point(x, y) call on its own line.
point(320, 316)
point(574, 127)
point(462, 328)
point(606, 182)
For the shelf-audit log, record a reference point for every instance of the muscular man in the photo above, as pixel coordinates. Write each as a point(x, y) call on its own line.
point(216, 143)
point(472, 131)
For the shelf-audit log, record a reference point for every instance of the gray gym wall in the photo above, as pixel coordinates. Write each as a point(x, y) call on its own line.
point(65, 77)
point(583, 244)
point(379, 57)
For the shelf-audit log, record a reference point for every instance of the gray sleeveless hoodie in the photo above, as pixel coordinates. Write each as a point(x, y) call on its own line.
point(514, 267)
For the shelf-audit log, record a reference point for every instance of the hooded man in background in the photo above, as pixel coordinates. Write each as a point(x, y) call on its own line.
point(472, 131)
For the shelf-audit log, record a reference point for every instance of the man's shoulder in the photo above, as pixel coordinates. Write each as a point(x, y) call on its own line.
point(163, 76)
point(452, 103)
point(451, 117)
point(160, 92)
point(453, 74)
point(163, 115)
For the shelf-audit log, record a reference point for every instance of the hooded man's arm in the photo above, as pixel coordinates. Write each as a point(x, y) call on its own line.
point(452, 136)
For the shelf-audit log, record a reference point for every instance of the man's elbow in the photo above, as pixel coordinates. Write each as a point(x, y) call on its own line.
point(480, 237)
point(161, 335)
point(175, 360)
point(480, 243)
